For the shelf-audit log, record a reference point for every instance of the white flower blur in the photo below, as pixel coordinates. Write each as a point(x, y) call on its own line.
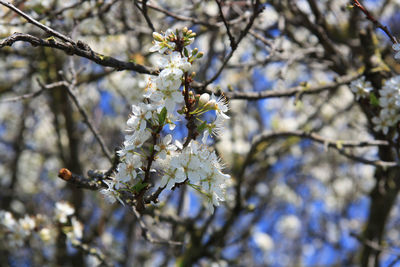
point(45, 234)
point(389, 101)
point(396, 47)
point(263, 241)
point(76, 231)
point(62, 211)
point(17, 232)
point(289, 226)
point(361, 88)
point(7, 219)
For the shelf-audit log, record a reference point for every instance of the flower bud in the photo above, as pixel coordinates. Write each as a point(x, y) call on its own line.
point(158, 37)
point(204, 98)
point(195, 51)
point(200, 55)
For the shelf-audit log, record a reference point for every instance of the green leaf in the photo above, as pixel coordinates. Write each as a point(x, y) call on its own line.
point(139, 187)
point(202, 126)
point(162, 116)
point(373, 100)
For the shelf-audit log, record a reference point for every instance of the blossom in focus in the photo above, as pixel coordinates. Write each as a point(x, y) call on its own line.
point(126, 170)
point(165, 147)
point(141, 113)
point(220, 105)
point(110, 194)
point(161, 44)
point(193, 163)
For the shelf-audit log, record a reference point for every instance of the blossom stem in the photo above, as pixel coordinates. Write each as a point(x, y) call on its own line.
point(191, 125)
point(150, 159)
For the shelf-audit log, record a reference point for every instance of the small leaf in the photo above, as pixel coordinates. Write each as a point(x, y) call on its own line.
point(162, 116)
point(373, 100)
point(202, 127)
point(139, 187)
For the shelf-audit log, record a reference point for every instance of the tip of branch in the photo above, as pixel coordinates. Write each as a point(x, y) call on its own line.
point(65, 174)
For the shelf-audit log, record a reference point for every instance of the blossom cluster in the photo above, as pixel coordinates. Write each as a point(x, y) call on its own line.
point(389, 101)
point(166, 100)
point(17, 232)
point(202, 168)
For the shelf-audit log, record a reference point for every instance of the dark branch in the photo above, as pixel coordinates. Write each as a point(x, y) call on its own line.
point(377, 24)
point(80, 49)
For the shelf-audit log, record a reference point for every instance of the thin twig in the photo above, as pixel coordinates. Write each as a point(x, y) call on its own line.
point(228, 31)
point(91, 251)
point(297, 91)
point(256, 11)
point(34, 94)
point(143, 9)
point(80, 49)
point(37, 23)
point(338, 145)
point(374, 245)
point(377, 24)
point(89, 123)
point(146, 232)
point(85, 116)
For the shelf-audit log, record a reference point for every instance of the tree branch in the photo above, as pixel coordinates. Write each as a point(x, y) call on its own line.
point(80, 49)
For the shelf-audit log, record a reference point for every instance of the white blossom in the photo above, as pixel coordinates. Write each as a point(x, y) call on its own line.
point(361, 88)
point(165, 147)
point(126, 170)
point(136, 140)
point(141, 113)
point(220, 105)
point(389, 101)
point(62, 211)
point(194, 163)
point(158, 46)
point(110, 194)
